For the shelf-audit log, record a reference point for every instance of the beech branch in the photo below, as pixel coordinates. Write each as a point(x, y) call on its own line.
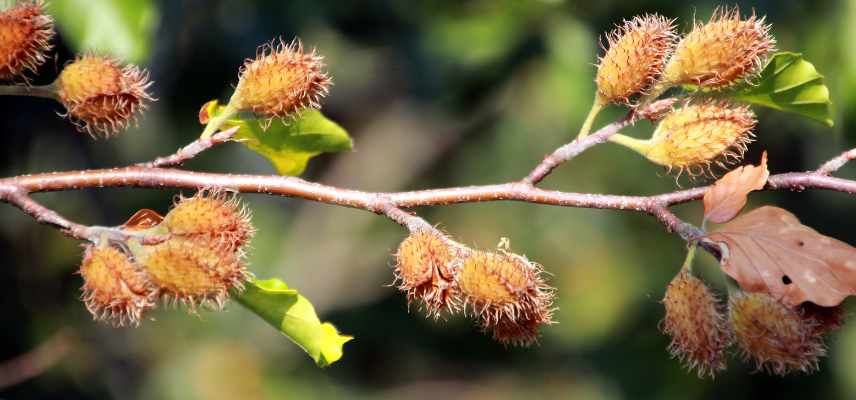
point(146, 177)
point(16, 190)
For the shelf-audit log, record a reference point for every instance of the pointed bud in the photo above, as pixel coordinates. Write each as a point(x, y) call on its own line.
point(25, 34)
point(101, 96)
point(508, 294)
point(114, 289)
point(693, 137)
point(774, 335)
point(194, 272)
point(281, 80)
point(634, 58)
point(426, 264)
point(211, 214)
point(695, 324)
point(722, 51)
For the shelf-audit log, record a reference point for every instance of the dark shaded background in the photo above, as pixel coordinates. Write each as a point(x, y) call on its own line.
point(440, 93)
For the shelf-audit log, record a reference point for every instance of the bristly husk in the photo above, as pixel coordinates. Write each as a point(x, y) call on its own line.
point(25, 35)
point(216, 215)
point(724, 51)
point(695, 324)
point(281, 80)
point(635, 55)
point(101, 96)
point(776, 337)
point(195, 271)
point(426, 265)
point(508, 294)
point(697, 136)
point(114, 288)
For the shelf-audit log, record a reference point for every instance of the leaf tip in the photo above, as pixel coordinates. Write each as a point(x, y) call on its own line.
point(332, 350)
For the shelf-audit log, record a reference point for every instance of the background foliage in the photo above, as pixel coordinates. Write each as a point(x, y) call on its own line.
point(434, 94)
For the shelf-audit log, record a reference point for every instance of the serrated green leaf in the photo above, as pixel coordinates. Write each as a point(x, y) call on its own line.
point(294, 316)
point(289, 144)
point(788, 83)
point(121, 28)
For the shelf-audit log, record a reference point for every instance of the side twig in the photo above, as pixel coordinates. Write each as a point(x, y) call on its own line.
point(574, 148)
point(47, 91)
point(37, 361)
point(192, 150)
point(836, 163)
point(19, 198)
point(686, 231)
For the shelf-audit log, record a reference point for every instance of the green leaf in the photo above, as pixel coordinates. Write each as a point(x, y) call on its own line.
point(294, 316)
point(788, 83)
point(121, 28)
point(289, 144)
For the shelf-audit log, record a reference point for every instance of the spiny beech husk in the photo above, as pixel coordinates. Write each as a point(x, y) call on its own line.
point(215, 215)
point(721, 52)
point(695, 324)
point(281, 80)
point(426, 264)
point(25, 35)
point(694, 137)
point(114, 288)
point(101, 96)
point(776, 337)
point(507, 293)
point(635, 55)
point(194, 271)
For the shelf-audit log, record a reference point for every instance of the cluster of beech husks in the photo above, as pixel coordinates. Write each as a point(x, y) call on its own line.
point(102, 96)
point(201, 258)
point(198, 261)
point(776, 337)
point(504, 291)
point(645, 57)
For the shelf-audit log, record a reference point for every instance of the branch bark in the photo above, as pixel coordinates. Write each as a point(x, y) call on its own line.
point(16, 190)
point(145, 177)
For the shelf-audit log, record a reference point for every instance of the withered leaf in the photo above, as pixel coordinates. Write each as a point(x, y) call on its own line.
point(769, 250)
point(727, 196)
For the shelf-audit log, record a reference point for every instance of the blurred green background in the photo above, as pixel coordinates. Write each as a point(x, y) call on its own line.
point(439, 93)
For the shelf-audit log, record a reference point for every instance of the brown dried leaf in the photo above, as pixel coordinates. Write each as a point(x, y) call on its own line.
point(769, 250)
point(727, 196)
